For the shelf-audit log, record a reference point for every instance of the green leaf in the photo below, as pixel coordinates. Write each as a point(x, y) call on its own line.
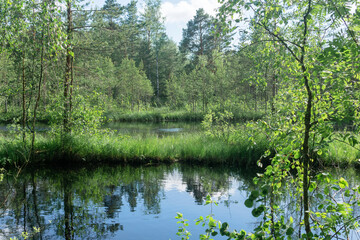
point(320, 196)
point(264, 191)
point(343, 183)
point(319, 152)
point(312, 186)
point(249, 203)
point(297, 155)
point(289, 231)
point(326, 190)
point(258, 211)
point(347, 193)
point(254, 195)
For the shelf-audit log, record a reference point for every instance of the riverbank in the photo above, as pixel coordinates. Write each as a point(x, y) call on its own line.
point(194, 148)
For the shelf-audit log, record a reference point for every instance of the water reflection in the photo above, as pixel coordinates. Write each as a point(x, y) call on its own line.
point(154, 129)
point(144, 130)
point(113, 202)
point(125, 202)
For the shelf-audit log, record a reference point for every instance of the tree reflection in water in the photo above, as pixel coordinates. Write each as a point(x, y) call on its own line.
point(123, 201)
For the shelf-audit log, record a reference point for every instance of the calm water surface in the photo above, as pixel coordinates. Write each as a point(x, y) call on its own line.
point(133, 129)
point(158, 129)
point(121, 202)
point(126, 202)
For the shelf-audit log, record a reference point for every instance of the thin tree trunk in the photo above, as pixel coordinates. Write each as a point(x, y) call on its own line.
point(25, 203)
point(157, 75)
point(38, 95)
point(36, 209)
point(23, 98)
point(307, 125)
point(68, 70)
point(68, 209)
point(273, 94)
point(6, 104)
point(255, 98)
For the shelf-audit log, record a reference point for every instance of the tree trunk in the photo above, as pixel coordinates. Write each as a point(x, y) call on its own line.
point(23, 98)
point(68, 70)
point(6, 105)
point(68, 210)
point(38, 95)
point(273, 94)
point(307, 125)
point(36, 209)
point(157, 76)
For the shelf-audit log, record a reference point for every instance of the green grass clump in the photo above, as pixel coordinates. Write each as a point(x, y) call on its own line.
point(341, 154)
point(192, 148)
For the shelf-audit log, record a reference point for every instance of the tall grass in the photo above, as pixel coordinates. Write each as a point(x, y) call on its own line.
point(192, 148)
point(188, 147)
point(341, 154)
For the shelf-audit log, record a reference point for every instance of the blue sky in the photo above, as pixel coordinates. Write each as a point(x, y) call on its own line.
point(176, 12)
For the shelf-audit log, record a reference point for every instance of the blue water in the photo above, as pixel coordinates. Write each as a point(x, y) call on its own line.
point(121, 202)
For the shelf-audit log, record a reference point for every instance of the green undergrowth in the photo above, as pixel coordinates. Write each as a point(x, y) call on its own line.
point(193, 148)
point(155, 115)
point(164, 114)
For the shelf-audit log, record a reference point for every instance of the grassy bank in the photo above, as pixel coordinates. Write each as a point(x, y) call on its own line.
point(341, 154)
point(192, 148)
point(187, 147)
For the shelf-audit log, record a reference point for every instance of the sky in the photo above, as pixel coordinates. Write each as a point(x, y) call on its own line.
point(176, 12)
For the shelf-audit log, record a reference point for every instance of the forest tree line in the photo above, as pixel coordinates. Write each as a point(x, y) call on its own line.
point(61, 51)
point(53, 50)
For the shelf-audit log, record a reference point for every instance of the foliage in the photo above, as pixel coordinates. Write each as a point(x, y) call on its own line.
point(301, 128)
point(135, 88)
point(219, 125)
point(86, 117)
point(182, 232)
point(111, 147)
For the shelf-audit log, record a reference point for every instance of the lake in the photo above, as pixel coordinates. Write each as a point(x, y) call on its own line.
point(128, 202)
point(121, 202)
point(131, 202)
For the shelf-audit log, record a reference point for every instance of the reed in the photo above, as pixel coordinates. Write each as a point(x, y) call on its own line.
point(192, 148)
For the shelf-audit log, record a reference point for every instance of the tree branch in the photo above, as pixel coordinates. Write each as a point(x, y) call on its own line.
point(347, 26)
point(283, 41)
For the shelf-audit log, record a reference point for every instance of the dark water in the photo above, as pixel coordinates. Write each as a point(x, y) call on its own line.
point(121, 202)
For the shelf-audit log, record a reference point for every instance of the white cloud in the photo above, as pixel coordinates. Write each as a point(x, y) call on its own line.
point(178, 14)
point(183, 11)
